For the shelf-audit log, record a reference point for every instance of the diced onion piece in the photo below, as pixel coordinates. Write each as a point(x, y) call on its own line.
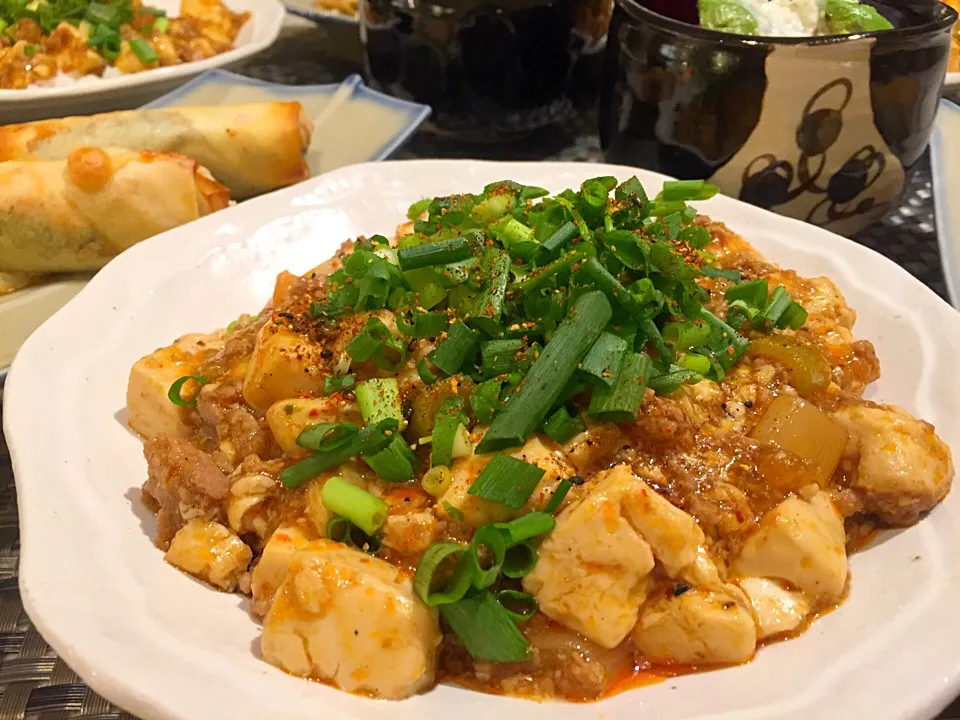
point(808, 369)
point(805, 430)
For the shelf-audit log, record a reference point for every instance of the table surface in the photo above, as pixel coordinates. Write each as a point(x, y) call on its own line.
point(37, 685)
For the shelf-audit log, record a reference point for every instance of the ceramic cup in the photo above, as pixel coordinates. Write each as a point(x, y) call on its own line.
point(491, 71)
point(822, 129)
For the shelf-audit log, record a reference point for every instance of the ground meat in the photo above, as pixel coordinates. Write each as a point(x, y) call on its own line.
point(238, 430)
point(182, 483)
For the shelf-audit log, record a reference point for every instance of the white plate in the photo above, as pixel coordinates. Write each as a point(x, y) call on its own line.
point(352, 124)
point(83, 96)
point(308, 11)
point(945, 165)
point(164, 646)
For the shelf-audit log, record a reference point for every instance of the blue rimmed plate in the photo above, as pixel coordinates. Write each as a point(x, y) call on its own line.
point(945, 161)
point(352, 124)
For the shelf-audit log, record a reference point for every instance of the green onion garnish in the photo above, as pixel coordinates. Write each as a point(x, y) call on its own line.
point(485, 400)
point(327, 437)
point(161, 25)
point(394, 464)
point(621, 401)
point(529, 526)
point(488, 550)
point(333, 384)
point(341, 530)
point(499, 357)
point(372, 439)
point(448, 420)
point(520, 560)
point(174, 392)
point(563, 487)
point(455, 350)
point(443, 574)
point(506, 480)
point(602, 362)
point(358, 506)
point(715, 272)
point(144, 51)
point(379, 398)
point(567, 232)
point(486, 629)
point(688, 190)
point(486, 311)
point(549, 374)
point(441, 252)
point(520, 606)
point(562, 426)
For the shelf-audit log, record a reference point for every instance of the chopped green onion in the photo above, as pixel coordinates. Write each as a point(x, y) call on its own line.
point(753, 293)
point(448, 420)
point(395, 463)
point(685, 335)
point(486, 629)
point(491, 541)
point(661, 208)
point(725, 345)
point(441, 252)
point(793, 317)
point(693, 361)
point(520, 606)
point(561, 427)
point(485, 400)
point(542, 275)
point(621, 402)
point(528, 526)
point(688, 190)
point(715, 272)
point(370, 440)
point(695, 236)
point(507, 481)
point(428, 325)
point(423, 370)
point(100, 13)
point(358, 506)
point(29, 50)
point(514, 232)
point(549, 374)
point(486, 310)
point(144, 51)
point(563, 487)
point(520, 560)
point(341, 530)
point(443, 574)
point(333, 384)
point(603, 360)
point(161, 25)
point(379, 398)
point(418, 208)
point(779, 301)
point(498, 357)
point(327, 436)
point(453, 511)
point(453, 352)
point(173, 394)
point(561, 237)
point(436, 480)
point(673, 380)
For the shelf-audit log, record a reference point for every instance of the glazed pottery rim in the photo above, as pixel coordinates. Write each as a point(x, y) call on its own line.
point(943, 18)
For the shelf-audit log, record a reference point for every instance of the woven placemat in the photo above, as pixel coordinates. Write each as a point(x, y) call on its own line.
point(36, 685)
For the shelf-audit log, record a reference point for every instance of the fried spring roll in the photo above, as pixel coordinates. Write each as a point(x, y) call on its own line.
point(251, 149)
point(78, 213)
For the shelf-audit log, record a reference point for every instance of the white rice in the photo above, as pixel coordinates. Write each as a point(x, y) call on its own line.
point(786, 18)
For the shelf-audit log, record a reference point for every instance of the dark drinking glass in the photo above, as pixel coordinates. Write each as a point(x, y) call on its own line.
point(490, 70)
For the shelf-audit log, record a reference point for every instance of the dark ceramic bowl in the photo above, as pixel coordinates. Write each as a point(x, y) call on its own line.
point(822, 129)
point(491, 70)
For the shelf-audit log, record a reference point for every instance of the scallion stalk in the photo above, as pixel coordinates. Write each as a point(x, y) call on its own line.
point(364, 510)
